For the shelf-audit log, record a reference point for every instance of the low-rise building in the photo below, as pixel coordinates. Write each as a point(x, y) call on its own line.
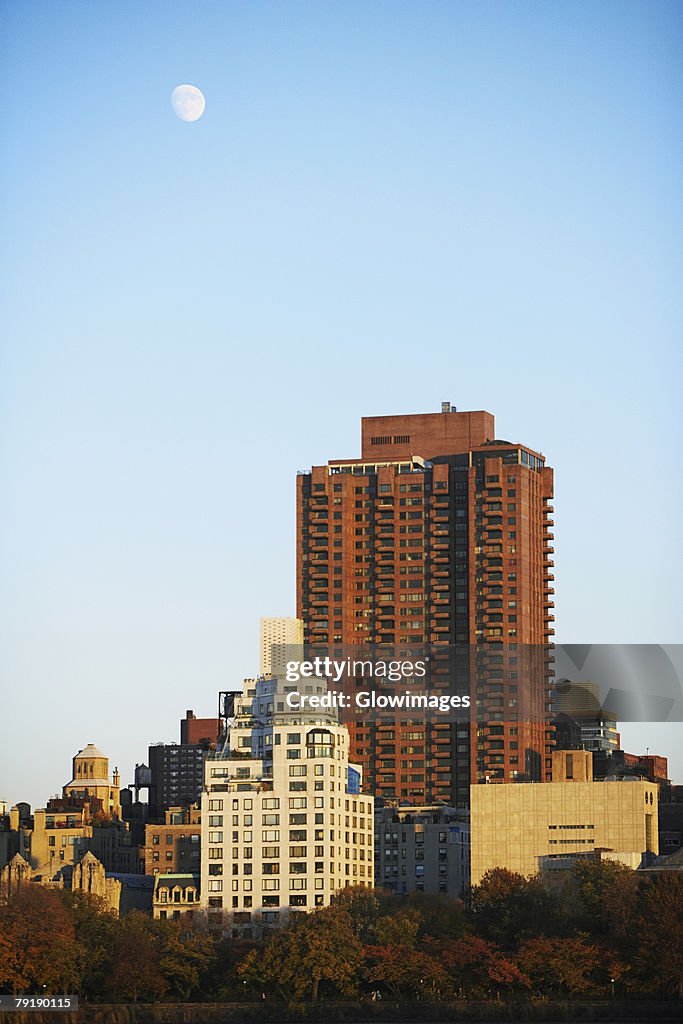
point(422, 849)
point(175, 846)
point(176, 894)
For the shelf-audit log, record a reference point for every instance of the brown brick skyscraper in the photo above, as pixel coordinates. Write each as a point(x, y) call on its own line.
point(438, 534)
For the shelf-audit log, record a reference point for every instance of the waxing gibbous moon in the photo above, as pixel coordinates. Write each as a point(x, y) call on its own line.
point(188, 102)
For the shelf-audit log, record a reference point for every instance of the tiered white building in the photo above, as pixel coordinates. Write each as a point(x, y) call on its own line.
point(284, 824)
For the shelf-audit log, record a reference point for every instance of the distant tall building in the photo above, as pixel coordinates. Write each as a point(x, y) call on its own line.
point(276, 632)
point(439, 534)
point(283, 824)
point(176, 770)
point(577, 706)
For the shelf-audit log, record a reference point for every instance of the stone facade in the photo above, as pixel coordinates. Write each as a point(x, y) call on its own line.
point(17, 872)
point(89, 876)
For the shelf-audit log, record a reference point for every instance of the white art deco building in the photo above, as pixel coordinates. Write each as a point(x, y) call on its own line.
point(284, 825)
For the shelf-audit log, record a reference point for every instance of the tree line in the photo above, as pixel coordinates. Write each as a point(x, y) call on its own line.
point(597, 931)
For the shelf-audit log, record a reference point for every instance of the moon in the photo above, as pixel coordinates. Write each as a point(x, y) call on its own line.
point(188, 102)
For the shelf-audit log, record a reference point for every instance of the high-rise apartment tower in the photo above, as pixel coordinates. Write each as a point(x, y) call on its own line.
point(438, 535)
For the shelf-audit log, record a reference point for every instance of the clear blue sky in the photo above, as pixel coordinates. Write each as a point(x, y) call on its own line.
point(385, 205)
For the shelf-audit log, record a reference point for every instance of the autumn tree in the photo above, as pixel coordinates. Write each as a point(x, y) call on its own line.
point(479, 968)
point(135, 971)
point(417, 974)
point(320, 947)
point(39, 948)
point(95, 927)
point(559, 966)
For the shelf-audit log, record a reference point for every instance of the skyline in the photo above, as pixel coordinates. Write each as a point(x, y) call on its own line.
point(380, 209)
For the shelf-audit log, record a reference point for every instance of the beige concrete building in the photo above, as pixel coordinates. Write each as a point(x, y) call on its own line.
point(527, 827)
point(60, 835)
point(284, 825)
point(275, 632)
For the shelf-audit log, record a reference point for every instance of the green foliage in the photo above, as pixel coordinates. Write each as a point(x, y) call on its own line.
point(506, 907)
point(398, 929)
point(135, 969)
point(95, 927)
point(363, 907)
point(603, 897)
point(658, 958)
point(441, 917)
